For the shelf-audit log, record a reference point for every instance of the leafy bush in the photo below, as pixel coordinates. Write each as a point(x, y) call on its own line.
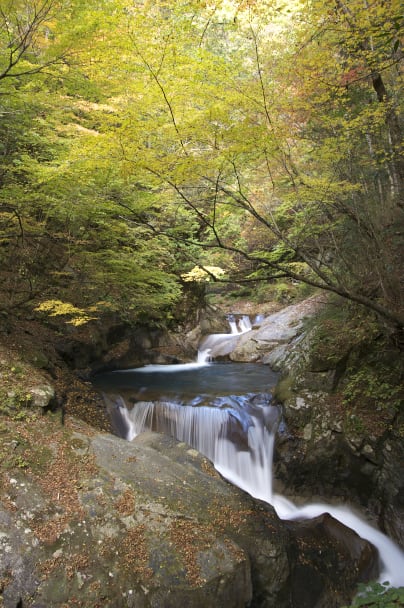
point(378, 596)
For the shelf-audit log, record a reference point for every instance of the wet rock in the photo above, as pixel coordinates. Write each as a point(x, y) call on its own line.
point(325, 540)
point(149, 524)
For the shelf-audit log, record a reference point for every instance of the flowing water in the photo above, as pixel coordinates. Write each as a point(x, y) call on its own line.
point(225, 412)
point(190, 381)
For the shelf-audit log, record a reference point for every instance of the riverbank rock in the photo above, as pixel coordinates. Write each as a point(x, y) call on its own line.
point(333, 447)
point(93, 520)
point(270, 342)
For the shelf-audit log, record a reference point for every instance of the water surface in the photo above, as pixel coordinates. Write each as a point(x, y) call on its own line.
point(189, 381)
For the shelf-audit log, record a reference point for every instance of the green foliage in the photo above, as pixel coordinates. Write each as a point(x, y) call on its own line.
point(66, 216)
point(13, 403)
point(377, 384)
point(378, 595)
point(139, 140)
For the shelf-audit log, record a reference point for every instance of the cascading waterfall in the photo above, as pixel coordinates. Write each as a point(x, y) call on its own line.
point(390, 555)
point(211, 431)
point(233, 324)
point(239, 326)
point(231, 432)
point(237, 433)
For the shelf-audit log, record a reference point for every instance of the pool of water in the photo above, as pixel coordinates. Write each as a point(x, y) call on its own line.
point(189, 381)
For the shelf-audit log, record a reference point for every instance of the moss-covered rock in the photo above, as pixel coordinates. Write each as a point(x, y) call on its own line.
point(342, 395)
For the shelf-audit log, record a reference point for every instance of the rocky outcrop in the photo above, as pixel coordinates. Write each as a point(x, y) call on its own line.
point(150, 523)
point(326, 447)
point(268, 343)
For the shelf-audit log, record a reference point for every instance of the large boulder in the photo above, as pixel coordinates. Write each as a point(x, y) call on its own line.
point(270, 342)
point(94, 520)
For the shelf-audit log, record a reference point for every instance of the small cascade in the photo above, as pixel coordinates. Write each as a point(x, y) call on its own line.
point(233, 324)
point(390, 555)
point(239, 324)
point(203, 356)
point(221, 345)
point(245, 324)
point(233, 433)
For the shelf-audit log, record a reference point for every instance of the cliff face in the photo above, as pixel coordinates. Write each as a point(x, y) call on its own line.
point(336, 446)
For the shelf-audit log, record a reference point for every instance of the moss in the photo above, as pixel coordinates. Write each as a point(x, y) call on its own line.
point(338, 329)
point(378, 595)
point(38, 360)
point(284, 389)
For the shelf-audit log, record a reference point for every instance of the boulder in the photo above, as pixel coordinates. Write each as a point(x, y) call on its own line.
point(150, 523)
point(42, 396)
point(319, 540)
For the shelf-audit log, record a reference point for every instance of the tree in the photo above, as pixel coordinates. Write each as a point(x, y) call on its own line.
point(60, 233)
point(271, 150)
point(309, 158)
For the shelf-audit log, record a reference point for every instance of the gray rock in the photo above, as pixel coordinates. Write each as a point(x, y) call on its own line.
point(42, 395)
point(158, 527)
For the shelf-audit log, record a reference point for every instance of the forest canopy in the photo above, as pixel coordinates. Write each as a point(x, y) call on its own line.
point(140, 140)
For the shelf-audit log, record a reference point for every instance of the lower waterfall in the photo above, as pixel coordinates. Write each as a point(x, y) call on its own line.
point(237, 434)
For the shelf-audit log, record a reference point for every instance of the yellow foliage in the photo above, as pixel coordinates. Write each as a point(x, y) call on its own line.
point(56, 308)
point(200, 275)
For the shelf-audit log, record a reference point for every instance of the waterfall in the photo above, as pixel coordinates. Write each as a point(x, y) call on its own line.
point(203, 356)
point(233, 324)
point(245, 324)
point(390, 555)
point(240, 326)
point(238, 436)
point(231, 433)
point(236, 432)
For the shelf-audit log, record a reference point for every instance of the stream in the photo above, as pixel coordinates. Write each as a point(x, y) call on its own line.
point(224, 411)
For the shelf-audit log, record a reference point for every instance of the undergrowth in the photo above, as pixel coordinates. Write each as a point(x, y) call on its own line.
point(378, 595)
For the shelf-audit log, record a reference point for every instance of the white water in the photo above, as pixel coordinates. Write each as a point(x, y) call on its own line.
point(202, 361)
point(233, 327)
point(239, 326)
point(391, 556)
point(245, 324)
point(209, 430)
